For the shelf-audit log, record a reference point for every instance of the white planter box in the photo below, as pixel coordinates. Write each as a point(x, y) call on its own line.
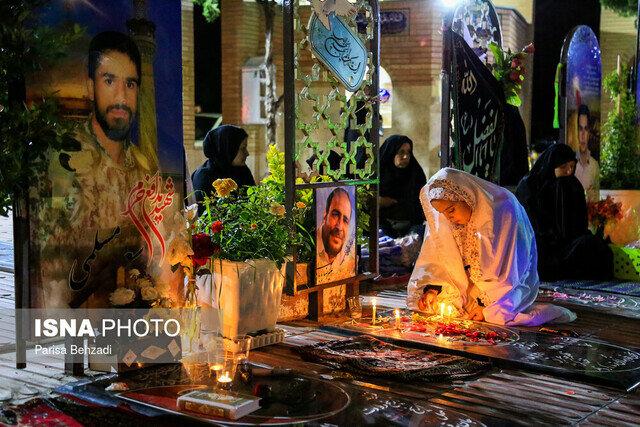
point(625, 230)
point(247, 293)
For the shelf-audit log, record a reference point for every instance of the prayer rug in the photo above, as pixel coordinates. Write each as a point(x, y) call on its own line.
point(64, 411)
point(369, 356)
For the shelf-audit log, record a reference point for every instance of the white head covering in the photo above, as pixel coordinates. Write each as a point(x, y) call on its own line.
point(500, 230)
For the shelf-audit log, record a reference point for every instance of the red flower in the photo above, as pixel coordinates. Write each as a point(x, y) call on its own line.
point(529, 48)
point(199, 262)
point(216, 227)
point(514, 76)
point(202, 246)
point(515, 63)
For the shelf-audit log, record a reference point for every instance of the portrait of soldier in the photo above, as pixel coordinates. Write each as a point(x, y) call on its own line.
point(85, 232)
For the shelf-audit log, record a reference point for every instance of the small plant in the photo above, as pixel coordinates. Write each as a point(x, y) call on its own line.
point(619, 166)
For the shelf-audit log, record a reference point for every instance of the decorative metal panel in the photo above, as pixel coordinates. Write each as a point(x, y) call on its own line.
point(333, 126)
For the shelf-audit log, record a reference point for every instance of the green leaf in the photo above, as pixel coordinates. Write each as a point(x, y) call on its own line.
point(514, 100)
point(497, 54)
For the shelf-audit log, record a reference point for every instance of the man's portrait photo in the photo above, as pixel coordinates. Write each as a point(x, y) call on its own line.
point(336, 234)
point(587, 169)
point(110, 200)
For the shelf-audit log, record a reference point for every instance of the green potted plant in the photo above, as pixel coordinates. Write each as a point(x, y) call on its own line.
point(619, 165)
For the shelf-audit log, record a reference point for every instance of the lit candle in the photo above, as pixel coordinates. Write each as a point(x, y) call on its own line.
point(397, 313)
point(373, 315)
point(214, 370)
point(450, 312)
point(442, 310)
point(224, 381)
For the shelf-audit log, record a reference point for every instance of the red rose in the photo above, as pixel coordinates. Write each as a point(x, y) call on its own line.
point(515, 63)
point(199, 262)
point(529, 48)
point(514, 76)
point(216, 227)
point(202, 246)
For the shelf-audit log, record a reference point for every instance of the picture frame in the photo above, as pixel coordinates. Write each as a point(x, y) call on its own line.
point(336, 223)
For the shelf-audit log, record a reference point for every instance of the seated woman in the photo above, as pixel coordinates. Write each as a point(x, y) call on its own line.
point(557, 208)
point(226, 150)
point(401, 179)
point(478, 255)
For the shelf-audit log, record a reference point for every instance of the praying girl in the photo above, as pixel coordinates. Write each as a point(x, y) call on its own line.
point(479, 254)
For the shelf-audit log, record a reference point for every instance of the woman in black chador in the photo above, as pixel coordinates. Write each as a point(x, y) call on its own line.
point(556, 205)
point(401, 179)
point(226, 150)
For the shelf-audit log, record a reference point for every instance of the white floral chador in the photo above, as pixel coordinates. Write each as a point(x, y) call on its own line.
point(492, 260)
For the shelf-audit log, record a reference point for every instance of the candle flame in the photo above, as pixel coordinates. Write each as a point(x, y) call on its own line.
point(224, 378)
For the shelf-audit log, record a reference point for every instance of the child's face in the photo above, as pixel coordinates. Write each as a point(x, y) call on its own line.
point(430, 299)
point(456, 212)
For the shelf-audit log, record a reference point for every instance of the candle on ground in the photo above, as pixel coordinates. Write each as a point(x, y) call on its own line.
point(442, 310)
point(373, 316)
point(397, 314)
point(450, 312)
point(224, 381)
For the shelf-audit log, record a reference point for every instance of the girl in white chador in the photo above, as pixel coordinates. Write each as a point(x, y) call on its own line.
point(479, 254)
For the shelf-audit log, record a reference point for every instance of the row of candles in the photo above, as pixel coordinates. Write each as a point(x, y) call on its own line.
point(449, 315)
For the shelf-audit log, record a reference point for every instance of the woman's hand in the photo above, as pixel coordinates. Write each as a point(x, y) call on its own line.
point(427, 301)
point(475, 313)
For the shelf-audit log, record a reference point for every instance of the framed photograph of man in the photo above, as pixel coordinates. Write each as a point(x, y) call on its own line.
point(335, 233)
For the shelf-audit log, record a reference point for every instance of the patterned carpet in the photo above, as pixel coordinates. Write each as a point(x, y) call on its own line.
point(612, 286)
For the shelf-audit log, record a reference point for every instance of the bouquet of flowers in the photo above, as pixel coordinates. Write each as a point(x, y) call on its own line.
point(248, 223)
point(509, 70)
point(602, 211)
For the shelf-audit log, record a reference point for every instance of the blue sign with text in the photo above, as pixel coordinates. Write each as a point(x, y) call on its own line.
point(340, 50)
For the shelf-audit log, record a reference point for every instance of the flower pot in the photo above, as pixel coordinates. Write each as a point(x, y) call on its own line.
point(248, 293)
point(627, 229)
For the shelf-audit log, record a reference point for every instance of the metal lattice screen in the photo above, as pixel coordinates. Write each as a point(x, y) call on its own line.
point(325, 111)
point(331, 134)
